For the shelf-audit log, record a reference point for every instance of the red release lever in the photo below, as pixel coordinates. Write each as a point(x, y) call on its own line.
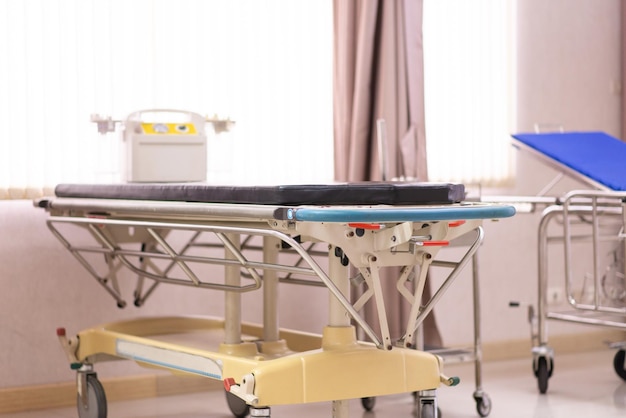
point(454, 224)
point(228, 382)
point(435, 243)
point(364, 225)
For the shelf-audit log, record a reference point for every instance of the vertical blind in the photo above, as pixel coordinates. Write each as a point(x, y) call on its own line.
point(267, 65)
point(469, 50)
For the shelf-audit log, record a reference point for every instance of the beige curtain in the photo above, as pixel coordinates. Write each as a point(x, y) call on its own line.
point(378, 74)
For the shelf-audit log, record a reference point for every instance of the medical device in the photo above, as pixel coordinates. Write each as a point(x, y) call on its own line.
point(163, 145)
point(363, 226)
point(589, 226)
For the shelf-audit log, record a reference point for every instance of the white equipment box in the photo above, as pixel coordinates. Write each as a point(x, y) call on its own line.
point(164, 146)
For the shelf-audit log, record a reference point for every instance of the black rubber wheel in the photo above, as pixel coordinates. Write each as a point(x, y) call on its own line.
point(543, 374)
point(483, 405)
point(96, 405)
point(618, 363)
point(550, 369)
point(237, 406)
point(368, 403)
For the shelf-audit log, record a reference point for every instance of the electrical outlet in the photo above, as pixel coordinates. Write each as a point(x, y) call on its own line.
point(556, 296)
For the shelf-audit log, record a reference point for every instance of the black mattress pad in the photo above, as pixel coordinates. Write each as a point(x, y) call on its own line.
point(358, 193)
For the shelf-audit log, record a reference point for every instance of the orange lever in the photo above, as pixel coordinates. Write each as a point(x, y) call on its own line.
point(435, 243)
point(228, 382)
point(364, 225)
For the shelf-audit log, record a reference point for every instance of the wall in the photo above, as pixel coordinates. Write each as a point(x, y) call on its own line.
point(568, 63)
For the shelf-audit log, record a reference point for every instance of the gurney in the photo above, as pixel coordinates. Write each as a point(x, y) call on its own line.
point(169, 234)
point(588, 224)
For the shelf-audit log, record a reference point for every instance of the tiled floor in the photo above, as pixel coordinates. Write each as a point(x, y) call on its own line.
point(583, 385)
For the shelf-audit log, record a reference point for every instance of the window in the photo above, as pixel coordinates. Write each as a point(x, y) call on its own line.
point(266, 65)
point(469, 85)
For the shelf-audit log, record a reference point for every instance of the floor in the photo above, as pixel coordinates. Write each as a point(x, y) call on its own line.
point(583, 385)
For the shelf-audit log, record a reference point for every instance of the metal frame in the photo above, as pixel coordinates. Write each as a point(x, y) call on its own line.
point(590, 208)
point(112, 225)
point(600, 205)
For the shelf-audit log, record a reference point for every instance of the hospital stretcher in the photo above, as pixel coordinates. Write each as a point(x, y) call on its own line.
point(177, 234)
point(588, 224)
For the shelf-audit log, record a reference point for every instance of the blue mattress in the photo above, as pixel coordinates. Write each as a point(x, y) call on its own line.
point(594, 155)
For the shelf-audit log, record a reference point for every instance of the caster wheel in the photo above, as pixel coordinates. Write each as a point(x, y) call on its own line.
point(95, 406)
point(619, 363)
point(237, 406)
point(368, 403)
point(543, 373)
point(428, 410)
point(550, 368)
point(483, 404)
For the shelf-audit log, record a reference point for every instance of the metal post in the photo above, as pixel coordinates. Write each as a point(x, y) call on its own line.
point(340, 409)
point(337, 316)
point(270, 290)
point(232, 300)
point(478, 352)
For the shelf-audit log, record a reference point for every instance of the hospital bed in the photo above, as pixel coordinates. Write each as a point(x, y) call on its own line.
point(176, 234)
point(589, 226)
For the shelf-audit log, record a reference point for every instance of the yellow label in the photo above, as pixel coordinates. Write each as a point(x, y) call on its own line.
point(169, 128)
